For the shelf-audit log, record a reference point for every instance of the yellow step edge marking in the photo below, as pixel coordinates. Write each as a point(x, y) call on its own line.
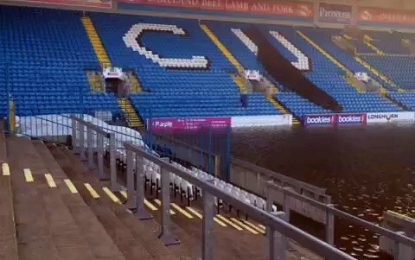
point(230, 223)
point(220, 223)
point(194, 212)
point(92, 191)
point(111, 195)
point(70, 186)
point(158, 202)
point(50, 181)
point(243, 225)
point(124, 194)
point(182, 211)
point(28, 175)
point(261, 226)
point(5, 169)
point(252, 225)
point(150, 205)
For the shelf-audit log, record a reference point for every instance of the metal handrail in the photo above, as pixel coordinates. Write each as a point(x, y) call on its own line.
point(356, 220)
point(272, 221)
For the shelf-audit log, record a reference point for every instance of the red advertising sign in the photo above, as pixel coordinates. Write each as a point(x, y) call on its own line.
point(386, 16)
point(82, 3)
point(163, 124)
point(296, 9)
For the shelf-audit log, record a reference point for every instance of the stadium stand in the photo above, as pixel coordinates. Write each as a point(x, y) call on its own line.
point(203, 86)
point(330, 75)
point(44, 55)
point(181, 65)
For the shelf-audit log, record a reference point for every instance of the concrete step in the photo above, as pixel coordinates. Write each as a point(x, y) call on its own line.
point(8, 240)
point(132, 236)
point(46, 227)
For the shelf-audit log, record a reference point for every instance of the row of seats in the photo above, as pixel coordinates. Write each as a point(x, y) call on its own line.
point(168, 60)
point(44, 54)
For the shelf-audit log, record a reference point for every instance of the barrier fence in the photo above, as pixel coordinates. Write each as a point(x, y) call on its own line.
point(94, 143)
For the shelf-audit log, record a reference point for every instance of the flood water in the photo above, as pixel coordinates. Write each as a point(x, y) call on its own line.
point(366, 170)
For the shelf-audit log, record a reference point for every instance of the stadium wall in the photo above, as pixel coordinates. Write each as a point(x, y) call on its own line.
point(327, 13)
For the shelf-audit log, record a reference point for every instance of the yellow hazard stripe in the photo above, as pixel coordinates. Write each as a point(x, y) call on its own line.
point(182, 211)
point(220, 223)
point(28, 175)
point(70, 186)
point(194, 212)
point(50, 181)
point(5, 169)
point(243, 225)
point(124, 194)
point(252, 225)
point(91, 191)
point(150, 205)
point(111, 195)
point(230, 223)
point(158, 202)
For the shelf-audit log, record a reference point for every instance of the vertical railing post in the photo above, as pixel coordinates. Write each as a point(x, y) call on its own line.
point(82, 130)
point(166, 235)
point(286, 203)
point(100, 156)
point(131, 201)
point(207, 231)
point(113, 163)
point(397, 252)
point(277, 242)
point(75, 141)
point(90, 143)
point(142, 212)
point(329, 225)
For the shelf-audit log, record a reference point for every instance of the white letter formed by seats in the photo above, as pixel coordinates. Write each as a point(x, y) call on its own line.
point(130, 39)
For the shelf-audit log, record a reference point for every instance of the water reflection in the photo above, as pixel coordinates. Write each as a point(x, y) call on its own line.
point(366, 170)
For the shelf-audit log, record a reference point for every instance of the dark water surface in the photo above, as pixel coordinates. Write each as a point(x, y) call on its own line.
point(366, 170)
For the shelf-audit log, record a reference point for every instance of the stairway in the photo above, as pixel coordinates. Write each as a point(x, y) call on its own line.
point(240, 82)
point(130, 114)
point(222, 48)
point(135, 84)
point(8, 239)
point(95, 81)
point(51, 220)
point(367, 40)
point(96, 41)
point(280, 107)
point(377, 73)
point(328, 56)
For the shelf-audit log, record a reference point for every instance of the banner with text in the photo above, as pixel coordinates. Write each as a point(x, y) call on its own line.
point(376, 15)
point(390, 117)
point(173, 124)
point(331, 13)
point(79, 3)
point(253, 121)
point(335, 119)
point(295, 9)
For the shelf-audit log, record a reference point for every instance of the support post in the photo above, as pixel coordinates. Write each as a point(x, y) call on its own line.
point(82, 129)
point(100, 155)
point(75, 147)
point(207, 232)
point(90, 143)
point(131, 201)
point(113, 164)
point(166, 235)
point(286, 204)
point(142, 212)
point(397, 252)
point(329, 225)
point(277, 242)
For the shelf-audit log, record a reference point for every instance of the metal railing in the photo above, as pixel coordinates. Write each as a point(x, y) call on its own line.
point(88, 139)
point(330, 212)
point(278, 229)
